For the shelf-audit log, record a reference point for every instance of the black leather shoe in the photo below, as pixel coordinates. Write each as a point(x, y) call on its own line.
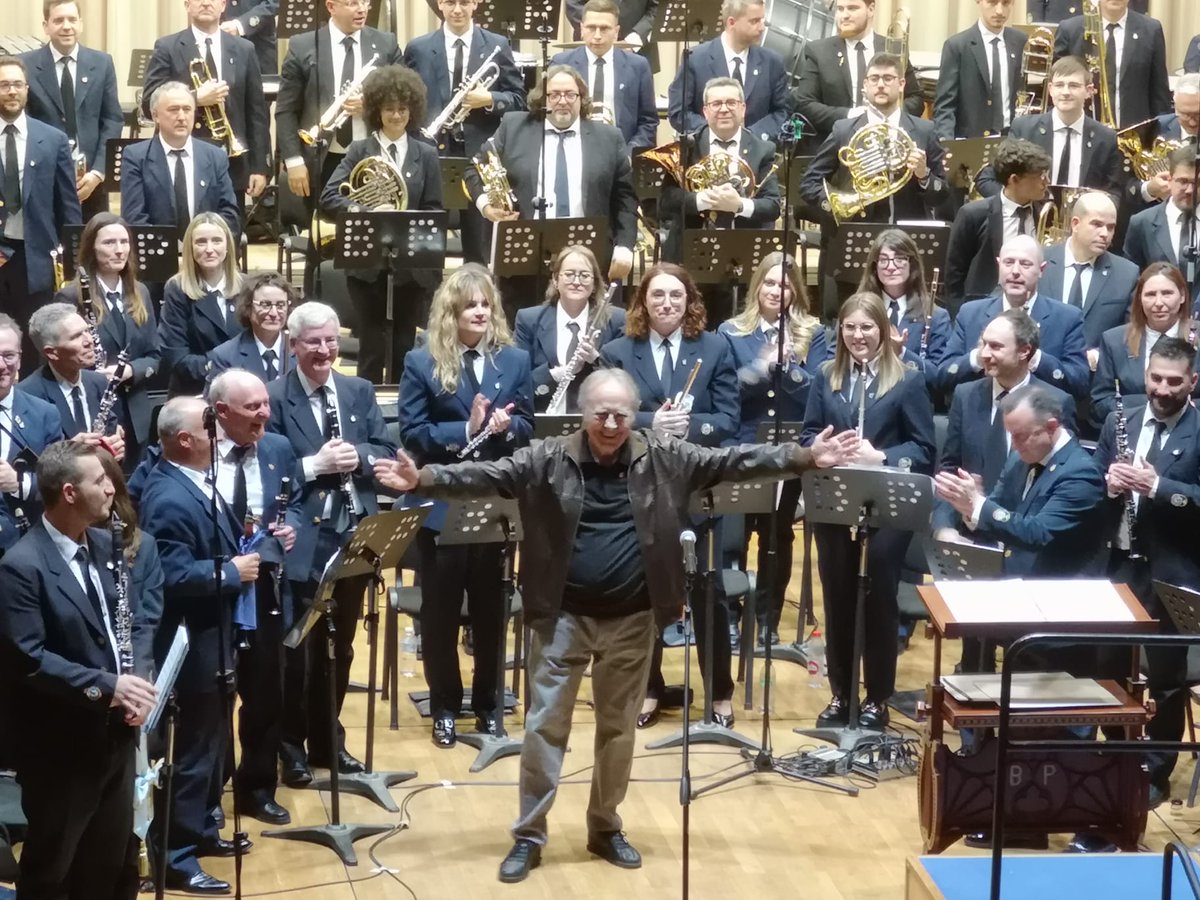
point(296, 773)
point(222, 847)
point(836, 714)
point(523, 856)
point(485, 723)
point(874, 715)
point(267, 811)
point(348, 765)
point(646, 719)
point(615, 849)
point(1090, 843)
point(200, 883)
point(1158, 796)
point(725, 721)
point(444, 734)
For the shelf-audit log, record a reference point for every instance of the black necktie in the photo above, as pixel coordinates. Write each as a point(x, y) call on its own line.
point(345, 134)
point(997, 449)
point(1076, 298)
point(772, 334)
point(117, 311)
point(469, 368)
point(457, 77)
point(1110, 52)
point(269, 366)
point(724, 145)
point(240, 497)
point(77, 408)
point(67, 85)
point(394, 153)
point(12, 172)
point(208, 58)
point(598, 82)
point(183, 214)
point(667, 370)
point(860, 69)
point(998, 104)
point(562, 186)
point(1064, 161)
point(572, 327)
point(1024, 219)
point(737, 70)
point(326, 402)
point(1035, 472)
point(1155, 443)
point(894, 313)
point(85, 566)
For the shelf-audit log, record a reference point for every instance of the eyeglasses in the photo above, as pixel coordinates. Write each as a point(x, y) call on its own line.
point(882, 79)
point(569, 96)
point(268, 305)
point(851, 328)
point(893, 262)
point(619, 416)
point(581, 277)
point(723, 104)
point(357, 4)
point(11, 357)
point(13, 86)
point(318, 343)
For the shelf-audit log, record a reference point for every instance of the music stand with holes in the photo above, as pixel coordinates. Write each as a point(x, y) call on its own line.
point(546, 425)
point(454, 182)
point(114, 157)
point(864, 498)
point(527, 246)
point(727, 256)
point(298, 16)
point(156, 248)
point(966, 156)
point(851, 245)
point(337, 835)
point(960, 561)
point(488, 521)
point(519, 19)
point(1183, 606)
point(648, 178)
point(139, 60)
point(400, 241)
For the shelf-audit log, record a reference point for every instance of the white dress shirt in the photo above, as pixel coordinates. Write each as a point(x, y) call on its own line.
point(401, 145)
point(189, 169)
point(1150, 338)
point(316, 402)
point(200, 37)
point(563, 334)
point(1009, 212)
point(277, 347)
point(610, 79)
point(1141, 447)
point(574, 147)
point(450, 38)
point(68, 548)
point(1119, 41)
point(1069, 274)
point(336, 36)
point(657, 342)
point(1060, 142)
point(996, 391)
point(988, 37)
point(227, 475)
point(67, 387)
point(14, 226)
point(856, 89)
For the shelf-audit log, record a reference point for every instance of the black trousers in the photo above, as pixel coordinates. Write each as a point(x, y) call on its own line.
point(260, 687)
point(476, 236)
point(722, 678)
point(446, 574)
point(80, 813)
point(19, 302)
point(306, 672)
point(769, 598)
point(837, 563)
point(410, 309)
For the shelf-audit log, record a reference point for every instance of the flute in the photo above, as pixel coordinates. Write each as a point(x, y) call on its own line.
point(862, 404)
point(480, 436)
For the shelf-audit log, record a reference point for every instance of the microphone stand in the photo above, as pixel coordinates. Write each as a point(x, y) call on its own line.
point(544, 30)
point(226, 676)
point(688, 540)
point(314, 189)
point(1191, 254)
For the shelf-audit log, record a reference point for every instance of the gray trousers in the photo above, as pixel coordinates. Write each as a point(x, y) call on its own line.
point(619, 651)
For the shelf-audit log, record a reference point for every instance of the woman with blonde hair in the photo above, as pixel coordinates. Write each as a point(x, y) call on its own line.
point(468, 381)
point(866, 381)
point(199, 309)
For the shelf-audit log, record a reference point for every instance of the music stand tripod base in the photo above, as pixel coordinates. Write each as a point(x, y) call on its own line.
point(373, 786)
point(339, 838)
point(845, 737)
point(705, 733)
point(491, 747)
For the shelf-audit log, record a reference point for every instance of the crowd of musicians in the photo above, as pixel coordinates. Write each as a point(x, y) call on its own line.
point(1054, 337)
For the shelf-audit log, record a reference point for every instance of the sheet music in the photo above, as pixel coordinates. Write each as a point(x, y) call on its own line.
point(1036, 600)
point(166, 678)
point(1005, 600)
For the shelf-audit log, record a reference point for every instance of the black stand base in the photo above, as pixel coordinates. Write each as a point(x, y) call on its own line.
point(705, 733)
point(796, 652)
point(846, 738)
point(338, 838)
point(761, 763)
point(372, 785)
point(491, 747)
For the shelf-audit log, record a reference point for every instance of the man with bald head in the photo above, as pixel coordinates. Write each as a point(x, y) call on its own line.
point(1083, 272)
point(1061, 360)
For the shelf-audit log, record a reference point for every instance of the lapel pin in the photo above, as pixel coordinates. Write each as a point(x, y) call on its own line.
point(497, 385)
point(203, 183)
point(1053, 466)
point(32, 163)
point(108, 565)
point(1135, 35)
point(755, 73)
point(353, 418)
point(17, 419)
point(1176, 452)
point(1041, 129)
point(271, 466)
point(84, 79)
point(620, 87)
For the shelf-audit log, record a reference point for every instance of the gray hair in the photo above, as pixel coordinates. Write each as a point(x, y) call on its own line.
point(724, 81)
point(167, 87)
point(227, 382)
point(1188, 83)
point(601, 377)
point(736, 8)
point(46, 324)
point(8, 323)
point(174, 417)
point(312, 314)
point(1038, 398)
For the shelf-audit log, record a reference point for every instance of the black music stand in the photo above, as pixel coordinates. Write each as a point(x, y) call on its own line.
point(114, 156)
point(518, 19)
point(727, 256)
point(527, 246)
point(852, 243)
point(298, 16)
point(166, 710)
point(402, 241)
point(489, 521)
point(962, 561)
point(863, 498)
point(1183, 606)
point(690, 21)
point(648, 178)
point(156, 248)
point(139, 60)
point(454, 195)
point(965, 157)
point(337, 835)
point(379, 542)
point(546, 425)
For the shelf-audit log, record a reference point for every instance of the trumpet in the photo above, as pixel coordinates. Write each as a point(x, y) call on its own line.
point(335, 115)
point(214, 116)
point(558, 403)
point(78, 159)
point(456, 110)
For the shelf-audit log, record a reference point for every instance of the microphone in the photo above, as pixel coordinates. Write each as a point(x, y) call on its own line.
point(210, 420)
point(687, 540)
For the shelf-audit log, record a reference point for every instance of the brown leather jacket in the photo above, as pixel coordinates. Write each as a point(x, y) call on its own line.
point(546, 481)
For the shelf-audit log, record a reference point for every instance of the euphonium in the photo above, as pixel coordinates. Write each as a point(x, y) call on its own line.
point(1093, 36)
point(335, 114)
point(376, 184)
point(877, 160)
point(214, 116)
point(1146, 149)
point(495, 182)
point(1036, 59)
point(1054, 218)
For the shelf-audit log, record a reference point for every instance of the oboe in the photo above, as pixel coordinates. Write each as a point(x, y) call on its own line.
point(1124, 454)
point(281, 504)
point(575, 363)
point(346, 479)
point(109, 398)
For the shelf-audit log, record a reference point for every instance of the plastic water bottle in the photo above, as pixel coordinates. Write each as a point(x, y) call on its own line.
point(408, 653)
point(815, 652)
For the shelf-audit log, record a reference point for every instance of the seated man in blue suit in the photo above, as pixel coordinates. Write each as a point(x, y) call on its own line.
point(735, 54)
point(171, 177)
point(1060, 361)
point(1155, 234)
point(620, 81)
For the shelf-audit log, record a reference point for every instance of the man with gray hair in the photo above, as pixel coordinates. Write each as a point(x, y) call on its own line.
point(169, 178)
point(602, 573)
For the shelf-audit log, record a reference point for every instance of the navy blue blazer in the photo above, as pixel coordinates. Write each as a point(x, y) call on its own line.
point(766, 89)
point(715, 397)
point(1166, 522)
point(176, 513)
point(9, 532)
point(972, 249)
point(98, 114)
point(898, 423)
point(757, 394)
point(433, 423)
point(147, 197)
point(1054, 532)
point(146, 585)
point(1064, 357)
point(426, 55)
point(188, 331)
point(1148, 239)
point(535, 332)
point(637, 113)
point(936, 344)
point(42, 384)
point(48, 201)
point(145, 357)
point(1118, 364)
point(241, 352)
point(36, 425)
point(1107, 302)
point(362, 424)
point(257, 20)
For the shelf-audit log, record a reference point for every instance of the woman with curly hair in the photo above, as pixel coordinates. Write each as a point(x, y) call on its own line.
point(468, 377)
point(393, 109)
point(664, 343)
point(261, 347)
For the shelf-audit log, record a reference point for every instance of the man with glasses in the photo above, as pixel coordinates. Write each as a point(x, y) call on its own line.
point(1182, 125)
point(1167, 232)
point(601, 581)
point(336, 429)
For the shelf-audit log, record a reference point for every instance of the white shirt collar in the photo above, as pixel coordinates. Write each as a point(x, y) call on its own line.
point(67, 546)
point(77, 383)
point(219, 287)
point(1120, 23)
point(1058, 124)
point(1174, 213)
point(200, 37)
point(657, 340)
point(225, 447)
point(562, 317)
point(744, 56)
point(198, 477)
point(277, 346)
point(1064, 438)
point(868, 42)
point(465, 37)
point(336, 35)
point(1028, 307)
point(310, 386)
point(1152, 336)
point(105, 289)
point(764, 326)
point(6, 402)
point(607, 57)
point(22, 124)
point(736, 138)
point(59, 57)
point(989, 36)
point(551, 128)
point(167, 148)
point(1171, 421)
point(996, 388)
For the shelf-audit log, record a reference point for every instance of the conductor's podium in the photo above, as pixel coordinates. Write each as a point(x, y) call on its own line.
point(1047, 792)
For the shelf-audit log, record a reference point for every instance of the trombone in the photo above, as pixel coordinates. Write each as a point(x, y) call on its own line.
point(214, 116)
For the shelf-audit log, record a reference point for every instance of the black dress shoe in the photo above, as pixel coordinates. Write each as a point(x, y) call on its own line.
point(874, 715)
point(485, 723)
point(725, 721)
point(348, 765)
point(444, 734)
point(615, 849)
point(523, 856)
point(296, 773)
point(836, 714)
point(222, 847)
point(200, 883)
point(1157, 796)
point(646, 719)
point(266, 811)
point(1090, 843)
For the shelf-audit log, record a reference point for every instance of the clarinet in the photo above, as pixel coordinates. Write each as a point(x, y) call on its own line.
point(1124, 454)
point(88, 311)
point(109, 399)
point(346, 479)
point(281, 504)
point(123, 625)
